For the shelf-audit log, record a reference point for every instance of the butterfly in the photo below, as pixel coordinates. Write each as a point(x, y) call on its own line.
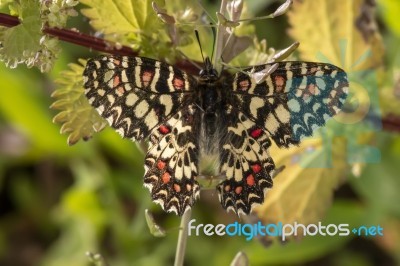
point(231, 115)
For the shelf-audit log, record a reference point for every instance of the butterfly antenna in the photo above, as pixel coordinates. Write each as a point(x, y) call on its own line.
point(198, 41)
point(215, 39)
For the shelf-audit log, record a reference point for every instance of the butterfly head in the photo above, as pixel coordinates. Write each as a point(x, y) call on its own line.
point(208, 73)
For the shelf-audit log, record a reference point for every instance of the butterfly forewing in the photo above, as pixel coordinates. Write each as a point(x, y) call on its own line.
point(134, 94)
point(141, 97)
point(296, 99)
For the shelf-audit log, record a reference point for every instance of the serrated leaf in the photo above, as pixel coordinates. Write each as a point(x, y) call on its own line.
point(135, 24)
point(26, 43)
point(330, 31)
point(303, 191)
point(22, 41)
point(123, 17)
point(79, 119)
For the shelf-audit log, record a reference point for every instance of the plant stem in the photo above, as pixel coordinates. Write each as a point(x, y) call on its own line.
point(182, 238)
point(74, 37)
point(219, 42)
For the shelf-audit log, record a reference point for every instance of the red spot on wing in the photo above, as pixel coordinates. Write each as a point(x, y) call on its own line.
point(177, 188)
point(250, 181)
point(116, 62)
point(256, 168)
point(164, 129)
point(178, 83)
point(120, 91)
point(188, 187)
point(116, 81)
point(310, 90)
point(279, 83)
point(244, 85)
point(166, 177)
point(256, 133)
point(146, 77)
point(238, 190)
point(227, 188)
point(161, 164)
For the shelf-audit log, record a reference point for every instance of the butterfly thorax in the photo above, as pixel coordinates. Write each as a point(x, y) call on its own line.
point(212, 103)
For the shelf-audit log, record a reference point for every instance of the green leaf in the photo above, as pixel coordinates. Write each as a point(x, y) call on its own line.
point(79, 118)
point(5, 2)
point(22, 105)
point(135, 24)
point(379, 183)
point(155, 229)
point(26, 43)
point(120, 17)
point(336, 38)
point(391, 11)
point(22, 42)
point(303, 191)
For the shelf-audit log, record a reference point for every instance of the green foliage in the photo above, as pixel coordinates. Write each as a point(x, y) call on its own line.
point(79, 118)
point(90, 197)
point(334, 18)
point(125, 17)
point(304, 189)
point(391, 9)
point(25, 43)
point(135, 24)
point(21, 43)
point(311, 248)
point(32, 115)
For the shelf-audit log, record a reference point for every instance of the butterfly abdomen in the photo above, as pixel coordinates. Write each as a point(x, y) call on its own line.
point(211, 106)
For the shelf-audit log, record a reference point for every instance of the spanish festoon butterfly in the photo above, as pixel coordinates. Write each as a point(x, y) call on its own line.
point(230, 115)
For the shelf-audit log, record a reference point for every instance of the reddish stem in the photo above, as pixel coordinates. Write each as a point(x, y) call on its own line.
point(91, 42)
point(391, 122)
point(74, 37)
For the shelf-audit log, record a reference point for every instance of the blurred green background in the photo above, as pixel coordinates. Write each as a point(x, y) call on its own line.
point(57, 201)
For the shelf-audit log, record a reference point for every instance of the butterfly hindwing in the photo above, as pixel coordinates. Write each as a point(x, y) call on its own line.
point(293, 101)
point(144, 98)
point(246, 164)
point(172, 155)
